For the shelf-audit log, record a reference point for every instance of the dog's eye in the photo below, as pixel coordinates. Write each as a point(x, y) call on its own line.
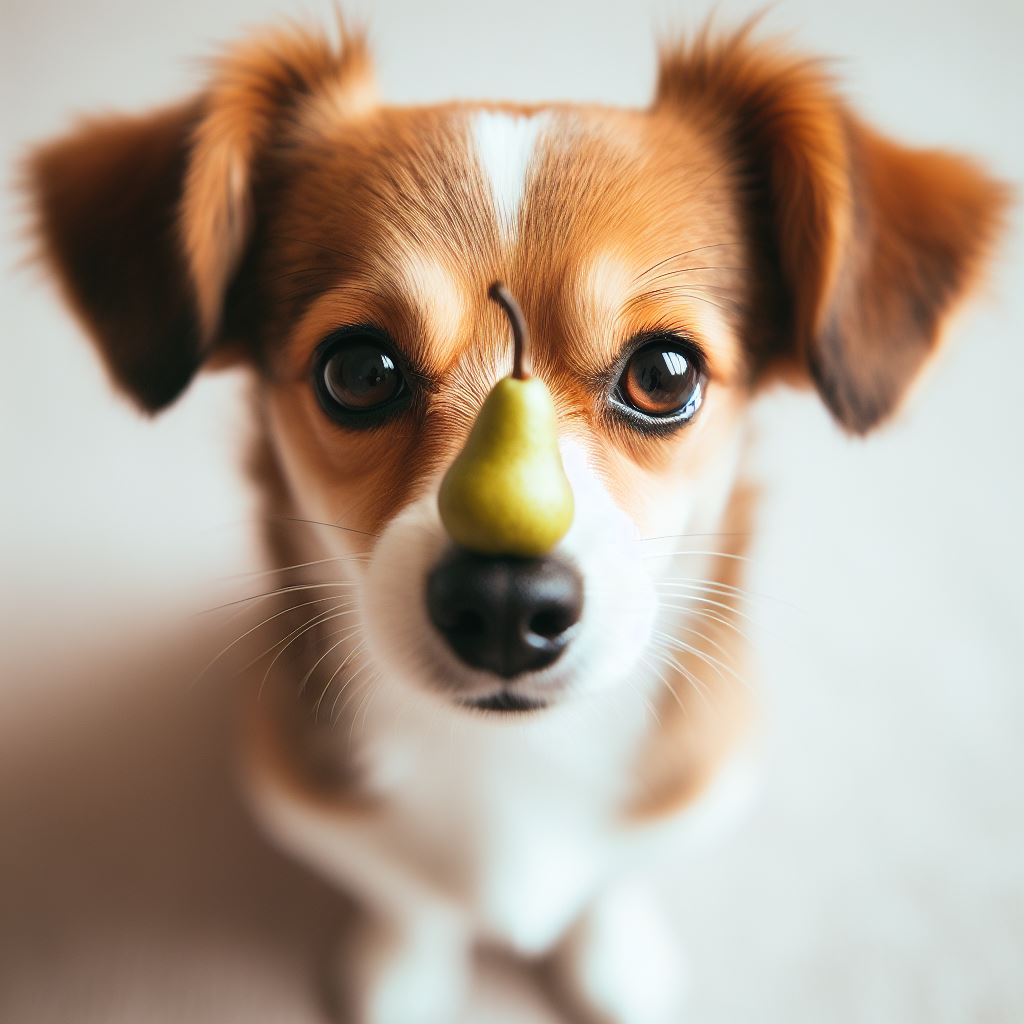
point(357, 375)
point(662, 381)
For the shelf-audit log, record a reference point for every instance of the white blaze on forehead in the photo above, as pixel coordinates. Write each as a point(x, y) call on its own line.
point(505, 144)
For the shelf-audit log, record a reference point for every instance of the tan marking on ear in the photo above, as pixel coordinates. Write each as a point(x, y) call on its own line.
point(352, 95)
point(870, 244)
point(763, 91)
point(253, 86)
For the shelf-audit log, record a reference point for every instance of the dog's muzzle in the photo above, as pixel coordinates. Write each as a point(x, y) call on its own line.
point(505, 615)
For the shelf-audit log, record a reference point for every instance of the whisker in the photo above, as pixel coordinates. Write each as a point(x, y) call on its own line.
point(367, 691)
point(716, 586)
point(685, 591)
point(281, 590)
point(714, 663)
point(697, 685)
point(308, 627)
point(685, 536)
point(371, 690)
point(323, 693)
point(332, 718)
point(711, 586)
point(675, 644)
point(643, 696)
point(349, 631)
point(331, 526)
point(703, 613)
point(715, 604)
point(298, 630)
point(707, 639)
point(706, 554)
point(671, 689)
point(284, 611)
point(371, 682)
point(257, 573)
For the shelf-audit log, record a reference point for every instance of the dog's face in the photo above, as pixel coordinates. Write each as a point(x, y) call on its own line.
point(668, 261)
point(620, 233)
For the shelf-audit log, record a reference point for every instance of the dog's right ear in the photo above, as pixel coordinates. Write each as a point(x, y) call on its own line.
point(145, 220)
point(107, 199)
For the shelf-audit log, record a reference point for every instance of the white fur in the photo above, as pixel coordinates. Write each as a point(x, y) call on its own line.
point(507, 830)
point(616, 623)
point(413, 968)
point(622, 961)
point(519, 845)
point(505, 144)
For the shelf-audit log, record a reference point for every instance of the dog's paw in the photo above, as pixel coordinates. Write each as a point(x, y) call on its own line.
point(622, 964)
point(407, 972)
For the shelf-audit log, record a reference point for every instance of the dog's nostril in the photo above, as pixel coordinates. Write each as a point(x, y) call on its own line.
point(551, 622)
point(504, 615)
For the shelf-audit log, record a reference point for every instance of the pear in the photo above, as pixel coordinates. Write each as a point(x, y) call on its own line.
point(506, 493)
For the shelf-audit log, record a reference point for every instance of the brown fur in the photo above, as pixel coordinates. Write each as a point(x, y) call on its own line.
point(875, 243)
point(748, 208)
point(106, 198)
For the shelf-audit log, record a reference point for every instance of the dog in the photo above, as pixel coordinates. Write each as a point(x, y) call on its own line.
point(747, 228)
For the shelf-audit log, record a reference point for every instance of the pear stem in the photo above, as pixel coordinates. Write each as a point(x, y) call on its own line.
point(522, 364)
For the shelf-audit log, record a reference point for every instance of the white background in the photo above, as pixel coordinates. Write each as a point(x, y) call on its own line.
point(881, 877)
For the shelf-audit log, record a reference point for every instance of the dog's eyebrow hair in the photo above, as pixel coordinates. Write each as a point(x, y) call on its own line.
point(680, 255)
point(403, 299)
point(691, 291)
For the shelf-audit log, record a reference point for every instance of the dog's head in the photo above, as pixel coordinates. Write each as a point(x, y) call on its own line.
point(669, 261)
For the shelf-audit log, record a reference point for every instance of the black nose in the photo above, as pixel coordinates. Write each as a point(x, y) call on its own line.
point(505, 615)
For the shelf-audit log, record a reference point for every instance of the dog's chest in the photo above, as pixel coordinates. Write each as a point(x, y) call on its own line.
point(518, 823)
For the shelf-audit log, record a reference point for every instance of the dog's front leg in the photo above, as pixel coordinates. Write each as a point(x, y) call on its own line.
point(408, 967)
point(621, 962)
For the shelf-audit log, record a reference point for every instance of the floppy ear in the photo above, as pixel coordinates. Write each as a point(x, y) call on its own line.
point(873, 243)
point(145, 220)
point(107, 200)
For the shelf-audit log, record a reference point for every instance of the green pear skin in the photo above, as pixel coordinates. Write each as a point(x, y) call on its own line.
point(507, 493)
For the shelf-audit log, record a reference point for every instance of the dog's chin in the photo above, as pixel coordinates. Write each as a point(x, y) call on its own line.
point(483, 693)
point(429, 671)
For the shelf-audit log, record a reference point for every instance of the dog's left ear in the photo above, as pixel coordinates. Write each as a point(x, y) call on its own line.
point(873, 243)
point(146, 220)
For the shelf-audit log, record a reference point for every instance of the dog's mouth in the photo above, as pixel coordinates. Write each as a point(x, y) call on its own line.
point(505, 702)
